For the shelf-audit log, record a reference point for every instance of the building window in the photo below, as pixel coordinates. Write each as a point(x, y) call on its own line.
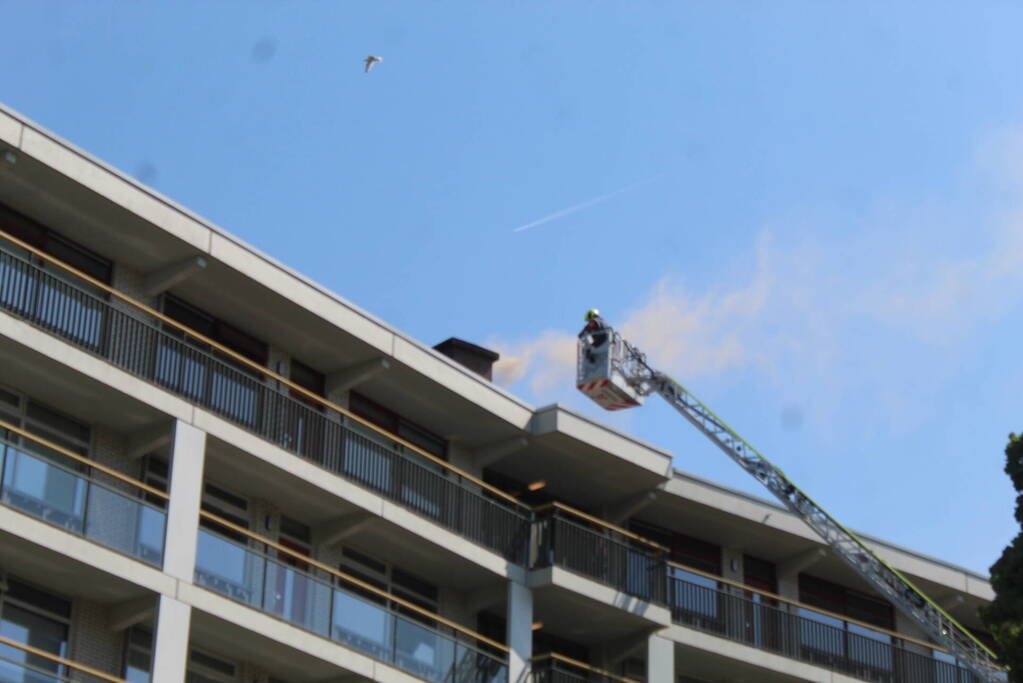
point(48, 241)
point(215, 500)
point(230, 387)
point(392, 422)
point(50, 301)
point(216, 329)
point(392, 580)
point(371, 628)
point(307, 378)
point(138, 655)
point(684, 549)
point(44, 422)
point(846, 601)
point(222, 565)
point(373, 462)
point(37, 480)
point(304, 432)
point(202, 666)
point(759, 574)
point(292, 594)
point(34, 617)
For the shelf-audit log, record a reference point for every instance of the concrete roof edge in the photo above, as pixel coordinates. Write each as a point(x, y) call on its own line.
point(503, 393)
point(557, 407)
point(680, 474)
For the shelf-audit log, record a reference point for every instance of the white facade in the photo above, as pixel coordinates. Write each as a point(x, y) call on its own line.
point(215, 469)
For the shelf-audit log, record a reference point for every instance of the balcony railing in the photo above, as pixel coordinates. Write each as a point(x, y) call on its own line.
point(555, 668)
point(51, 483)
point(22, 663)
point(766, 622)
point(333, 605)
point(589, 546)
point(218, 379)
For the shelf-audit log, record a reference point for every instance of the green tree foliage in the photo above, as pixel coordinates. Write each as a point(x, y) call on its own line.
point(1004, 616)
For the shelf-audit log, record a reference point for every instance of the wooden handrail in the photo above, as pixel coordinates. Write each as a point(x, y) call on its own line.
point(596, 520)
point(796, 603)
point(78, 458)
point(350, 579)
point(257, 367)
point(60, 660)
point(582, 665)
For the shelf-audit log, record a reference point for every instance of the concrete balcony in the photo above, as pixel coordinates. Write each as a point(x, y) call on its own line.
point(177, 361)
point(740, 626)
point(554, 668)
point(316, 598)
point(595, 583)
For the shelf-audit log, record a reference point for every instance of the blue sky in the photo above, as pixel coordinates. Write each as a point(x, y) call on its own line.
point(813, 214)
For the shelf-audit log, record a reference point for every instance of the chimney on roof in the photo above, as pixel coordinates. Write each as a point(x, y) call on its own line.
point(476, 358)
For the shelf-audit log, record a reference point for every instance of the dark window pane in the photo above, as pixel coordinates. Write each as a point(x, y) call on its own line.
point(364, 560)
point(80, 258)
point(212, 663)
point(8, 398)
point(230, 498)
point(58, 423)
point(304, 376)
point(418, 586)
point(38, 599)
point(373, 412)
point(759, 574)
point(395, 424)
point(420, 437)
point(296, 529)
point(190, 317)
point(22, 227)
point(239, 341)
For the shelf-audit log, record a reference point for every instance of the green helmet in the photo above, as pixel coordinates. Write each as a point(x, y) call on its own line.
point(591, 314)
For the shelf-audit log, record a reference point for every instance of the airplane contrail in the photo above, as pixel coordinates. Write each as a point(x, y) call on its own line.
point(584, 205)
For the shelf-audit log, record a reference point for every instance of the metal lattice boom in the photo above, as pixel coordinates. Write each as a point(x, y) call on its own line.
point(942, 628)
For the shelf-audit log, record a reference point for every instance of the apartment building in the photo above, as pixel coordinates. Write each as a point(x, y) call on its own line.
point(212, 469)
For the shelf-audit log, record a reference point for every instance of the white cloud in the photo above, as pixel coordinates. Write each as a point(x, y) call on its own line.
point(878, 316)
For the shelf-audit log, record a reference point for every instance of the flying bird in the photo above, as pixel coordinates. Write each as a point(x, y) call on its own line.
point(371, 60)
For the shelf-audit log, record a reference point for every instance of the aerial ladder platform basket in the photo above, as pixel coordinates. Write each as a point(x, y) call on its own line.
point(600, 369)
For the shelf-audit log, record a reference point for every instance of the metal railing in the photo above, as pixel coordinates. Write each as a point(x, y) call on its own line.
point(333, 605)
point(588, 546)
point(22, 663)
point(555, 668)
point(816, 637)
point(220, 381)
point(52, 484)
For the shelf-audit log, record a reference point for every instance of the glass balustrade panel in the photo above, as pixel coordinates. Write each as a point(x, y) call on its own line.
point(294, 596)
point(126, 524)
point(33, 484)
point(18, 671)
point(422, 651)
point(363, 625)
point(230, 569)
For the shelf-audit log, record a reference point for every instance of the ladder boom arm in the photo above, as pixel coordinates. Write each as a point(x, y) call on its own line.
point(936, 622)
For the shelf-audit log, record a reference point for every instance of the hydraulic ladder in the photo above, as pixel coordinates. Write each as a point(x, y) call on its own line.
point(616, 375)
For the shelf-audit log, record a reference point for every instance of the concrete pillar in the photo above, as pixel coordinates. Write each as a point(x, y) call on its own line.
point(170, 647)
point(660, 660)
point(188, 451)
point(520, 631)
